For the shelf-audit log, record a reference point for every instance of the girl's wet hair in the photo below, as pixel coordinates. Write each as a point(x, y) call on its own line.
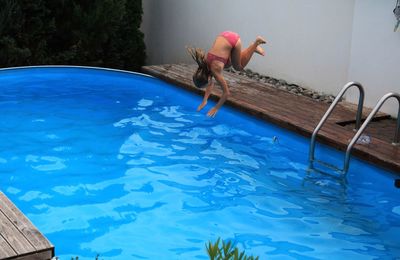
point(200, 77)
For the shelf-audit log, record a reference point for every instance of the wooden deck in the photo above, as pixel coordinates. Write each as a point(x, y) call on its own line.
point(19, 239)
point(293, 112)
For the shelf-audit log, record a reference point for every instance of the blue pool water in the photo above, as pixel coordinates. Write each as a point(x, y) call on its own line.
point(121, 165)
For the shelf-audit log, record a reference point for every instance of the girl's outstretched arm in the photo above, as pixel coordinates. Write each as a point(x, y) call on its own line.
point(225, 91)
point(209, 89)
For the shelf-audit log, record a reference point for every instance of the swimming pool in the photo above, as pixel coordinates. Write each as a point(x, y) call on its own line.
point(121, 165)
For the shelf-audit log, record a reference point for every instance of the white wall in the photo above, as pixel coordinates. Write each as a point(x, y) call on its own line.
point(314, 43)
point(375, 52)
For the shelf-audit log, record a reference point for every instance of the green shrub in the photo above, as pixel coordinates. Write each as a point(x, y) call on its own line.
point(226, 251)
point(102, 33)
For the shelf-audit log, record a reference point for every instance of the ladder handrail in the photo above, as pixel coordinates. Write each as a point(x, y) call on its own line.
point(396, 140)
point(329, 111)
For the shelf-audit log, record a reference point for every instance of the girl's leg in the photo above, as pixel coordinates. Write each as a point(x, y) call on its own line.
point(241, 58)
point(235, 56)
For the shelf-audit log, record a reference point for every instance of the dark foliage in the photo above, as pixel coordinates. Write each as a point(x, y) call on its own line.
point(102, 33)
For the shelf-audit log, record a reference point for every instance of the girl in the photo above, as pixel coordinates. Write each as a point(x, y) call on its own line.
point(226, 51)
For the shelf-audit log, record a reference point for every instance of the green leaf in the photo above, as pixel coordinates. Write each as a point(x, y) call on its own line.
point(227, 251)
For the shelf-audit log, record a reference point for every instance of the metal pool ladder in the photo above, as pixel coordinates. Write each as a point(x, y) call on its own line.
point(359, 129)
point(371, 115)
point(325, 117)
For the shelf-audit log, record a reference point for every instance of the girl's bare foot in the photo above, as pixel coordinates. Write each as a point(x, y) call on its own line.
point(260, 51)
point(260, 40)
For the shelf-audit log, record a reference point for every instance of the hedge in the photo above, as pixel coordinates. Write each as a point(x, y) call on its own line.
point(103, 33)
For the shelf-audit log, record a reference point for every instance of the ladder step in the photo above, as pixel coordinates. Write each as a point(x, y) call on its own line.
point(338, 177)
point(330, 166)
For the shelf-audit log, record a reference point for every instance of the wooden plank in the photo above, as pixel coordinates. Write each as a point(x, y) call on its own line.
point(45, 255)
point(5, 249)
point(13, 237)
point(24, 226)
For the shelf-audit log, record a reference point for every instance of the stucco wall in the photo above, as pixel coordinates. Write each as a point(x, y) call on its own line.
point(375, 52)
point(320, 44)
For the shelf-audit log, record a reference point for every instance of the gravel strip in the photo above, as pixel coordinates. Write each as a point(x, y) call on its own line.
point(283, 85)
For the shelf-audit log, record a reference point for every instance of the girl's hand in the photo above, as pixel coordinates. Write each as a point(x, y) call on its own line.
point(213, 111)
point(203, 104)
